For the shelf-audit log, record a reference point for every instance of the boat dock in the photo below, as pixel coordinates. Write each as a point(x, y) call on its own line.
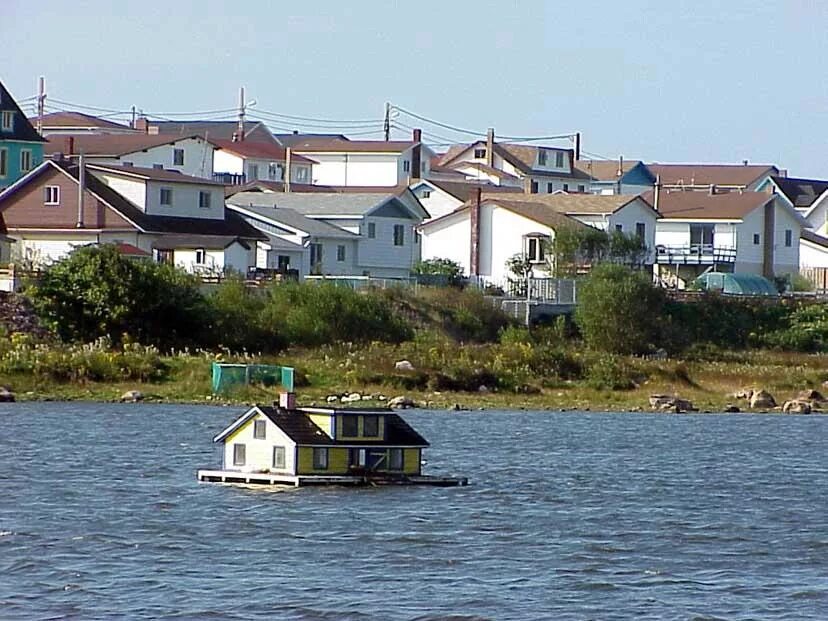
point(266, 478)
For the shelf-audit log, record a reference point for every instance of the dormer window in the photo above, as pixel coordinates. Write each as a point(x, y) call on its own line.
point(178, 157)
point(559, 159)
point(370, 426)
point(541, 157)
point(7, 121)
point(480, 154)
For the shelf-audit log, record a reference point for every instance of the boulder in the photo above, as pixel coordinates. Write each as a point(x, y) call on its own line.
point(811, 395)
point(658, 401)
point(332, 398)
point(402, 402)
point(132, 396)
point(762, 399)
point(673, 404)
point(403, 365)
point(458, 408)
point(483, 388)
point(731, 409)
point(744, 393)
point(796, 406)
point(6, 395)
point(351, 398)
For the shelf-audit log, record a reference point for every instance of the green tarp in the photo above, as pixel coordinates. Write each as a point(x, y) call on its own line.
point(739, 284)
point(227, 375)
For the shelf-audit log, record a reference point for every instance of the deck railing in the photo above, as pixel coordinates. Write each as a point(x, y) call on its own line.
point(695, 254)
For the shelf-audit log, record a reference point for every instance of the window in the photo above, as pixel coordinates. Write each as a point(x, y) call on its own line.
point(399, 235)
point(788, 238)
point(406, 166)
point(51, 195)
point(395, 459)
point(259, 429)
point(25, 160)
point(316, 257)
point(158, 166)
point(204, 200)
point(582, 188)
point(559, 159)
point(349, 426)
point(178, 157)
point(756, 239)
point(127, 164)
point(426, 193)
point(320, 459)
point(200, 256)
point(4, 162)
point(8, 121)
point(541, 157)
point(274, 171)
point(480, 154)
point(166, 196)
point(550, 187)
point(619, 228)
point(253, 172)
point(283, 262)
point(340, 253)
point(533, 187)
point(640, 230)
point(239, 454)
point(372, 230)
point(701, 236)
point(302, 174)
point(566, 187)
point(535, 249)
point(370, 426)
point(278, 456)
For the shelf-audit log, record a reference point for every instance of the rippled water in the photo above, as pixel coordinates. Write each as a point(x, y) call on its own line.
point(569, 516)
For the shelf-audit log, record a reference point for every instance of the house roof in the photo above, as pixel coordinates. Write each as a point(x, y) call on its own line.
point(533, 210)
point(705, 206)
point(289, 140)
point(254, 131)
point(574, 204)
point(801, 192)
point(262, 185)
point(711, 174)
point(294, 220)
point(463, 191)
point(152, 174)
point(814, 238)
point(336, 145)
point(183, 240)
point(260, 150)
point(110, 145)
point(522, 157)
point(72, 119)
point(22, 129)
point(485, 169)
point(129, 250)
point(397, 431)
point(606, 170)
point(317, 204)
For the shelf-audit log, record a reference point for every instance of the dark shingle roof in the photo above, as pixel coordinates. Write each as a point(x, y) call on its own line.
point(22, 129)
point(801, 192)
point(73, 119)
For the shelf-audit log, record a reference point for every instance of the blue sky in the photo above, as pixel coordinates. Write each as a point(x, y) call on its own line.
point(662, 81)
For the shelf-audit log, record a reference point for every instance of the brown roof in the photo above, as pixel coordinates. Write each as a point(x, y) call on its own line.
point(260, 150)
point(533, 210)
point(77, 119)
point(711, 174)
point(814, 238)
point(152, 174)
point(465, 191)
point(262, 185)
point(522, 157)
point(572, 203)
point(111, 145)
point(706, 206)
point(605, 170)
point(485, 168)
point(328, 145)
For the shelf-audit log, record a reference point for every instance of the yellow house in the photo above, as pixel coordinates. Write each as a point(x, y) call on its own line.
point(322, 443)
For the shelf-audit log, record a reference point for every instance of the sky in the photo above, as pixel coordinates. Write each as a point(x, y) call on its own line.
point(665, 81)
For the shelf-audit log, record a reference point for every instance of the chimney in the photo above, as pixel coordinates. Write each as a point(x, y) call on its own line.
point(474, 259)
point(286, 180)
point(744, 162)
point(490, 147)
point(69, 145)
point(81, 190)
point(656, 192)
point(620, 171)
point(141, 124)
point(416, 153)
point(577, 146)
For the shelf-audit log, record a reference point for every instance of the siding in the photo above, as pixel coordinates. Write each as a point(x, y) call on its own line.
point(337, 461)
point(361, 169)
point(259, 453)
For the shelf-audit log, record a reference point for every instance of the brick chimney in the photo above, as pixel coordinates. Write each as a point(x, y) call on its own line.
point(474, 259)
point(490, 147)
point(416, 153)
point(141, 124)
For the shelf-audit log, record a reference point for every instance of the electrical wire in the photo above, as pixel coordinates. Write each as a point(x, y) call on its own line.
point(291, 117)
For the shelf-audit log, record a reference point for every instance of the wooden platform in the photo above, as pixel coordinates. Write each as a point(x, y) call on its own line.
point(261, 478)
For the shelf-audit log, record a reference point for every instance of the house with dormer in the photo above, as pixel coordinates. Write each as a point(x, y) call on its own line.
point(21, 147)
point(173, 217)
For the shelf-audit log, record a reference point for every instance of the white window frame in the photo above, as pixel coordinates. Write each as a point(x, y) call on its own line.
point(51, 195)
point(788, 238)
point(372, 230)
point(340, 253)
point(253, 172)
point(260, 430)
point(559, 159)
point(542, 156)
point(406, 166)
point(204, 200)
point(239, 455)
point(169, 193)
point(279, 457)
point(25, 160)
point(301, 174)
point(178, 154)
point(535, 250)
point(275, 171)
point(480, 154)
point(7, 121)
point(320, 458)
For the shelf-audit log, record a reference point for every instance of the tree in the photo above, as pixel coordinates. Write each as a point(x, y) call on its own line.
point(618, 310)
point(576, 250)
point(439, 267)
point(97, 292)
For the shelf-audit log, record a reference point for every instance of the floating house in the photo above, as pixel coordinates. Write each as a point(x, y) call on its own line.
point(276, 445)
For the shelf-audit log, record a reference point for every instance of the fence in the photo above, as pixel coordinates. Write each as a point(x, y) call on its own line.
point(818, 276)
point(562, 291)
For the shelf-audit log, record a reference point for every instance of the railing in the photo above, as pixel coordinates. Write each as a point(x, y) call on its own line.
point(362, 282)
point(230, 178)
point(563, 291)
point(697, 254)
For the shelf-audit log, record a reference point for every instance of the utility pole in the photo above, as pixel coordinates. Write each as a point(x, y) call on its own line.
point(240, 133)
point(41, 102)
point(132, 123)
point(386, 125)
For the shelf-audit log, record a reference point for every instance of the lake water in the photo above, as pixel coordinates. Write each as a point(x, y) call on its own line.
point(569, 516)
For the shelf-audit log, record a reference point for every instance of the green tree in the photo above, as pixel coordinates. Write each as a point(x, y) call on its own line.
point(97, 292)
point(576, 250)
point(439, 267)
point(237, 318)
point(618, 310)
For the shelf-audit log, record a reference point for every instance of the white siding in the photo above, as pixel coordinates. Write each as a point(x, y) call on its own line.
point(366, 169)
point(438, 203)
point(259, 453)
point(132, 189)
point(812, 255)
point(198, 157)
point(750, 256)
point(226, 162)
point(449, 238)
point(185, 200)
point(785, 258)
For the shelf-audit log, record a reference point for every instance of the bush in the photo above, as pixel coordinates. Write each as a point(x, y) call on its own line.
point(618, 310)
point(807, 331)
point(237, 318)
point(608, 372)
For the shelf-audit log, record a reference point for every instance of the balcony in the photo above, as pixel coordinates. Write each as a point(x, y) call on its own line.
point(695, 254)
point(229, 178)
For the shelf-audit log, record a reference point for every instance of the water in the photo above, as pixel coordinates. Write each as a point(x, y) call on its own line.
point(569, 516)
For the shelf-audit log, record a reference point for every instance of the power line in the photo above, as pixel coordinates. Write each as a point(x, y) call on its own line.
point(291, 117)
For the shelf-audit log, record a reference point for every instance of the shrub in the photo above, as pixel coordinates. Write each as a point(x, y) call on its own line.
point(807, 331)
point(608, 372)
point(237, 318)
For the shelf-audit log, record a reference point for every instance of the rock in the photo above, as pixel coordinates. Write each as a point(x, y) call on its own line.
point(810, 395)
point(332, 398)
point(458, 408)
point(367, 397)
point(796, 406)
point(762, 399)
point(732, 409)
point(354, 396)
point(483, 388)
point(6, 395)
point(402, 402)
point(658, 401)
point(132, 396)
point(668, 403)
point(744, 393)
point(403, 365)
point(382, 398)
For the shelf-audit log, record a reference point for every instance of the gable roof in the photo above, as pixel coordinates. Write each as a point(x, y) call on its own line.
point(485, 169)
point(260, 150)
point(577, 204)
point(711, 174)
point(109, 145)
point(254, 131)
point(460, 190)
point(289, 140)
point(814, 238)
point(607, 170)
point(532, 210)
point(292, 219)
point(705, 206)
point(801, 193)
point(522, 157)
point(337, 145)
point(152, 174)
point(22, 129)
point(315, 204)
point(262, 185)
point(73, 119)
point(397, 431)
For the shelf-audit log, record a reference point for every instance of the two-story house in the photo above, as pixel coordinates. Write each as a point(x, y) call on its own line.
point(176, 218)
point(532, 169)
point(246, 161)
point(21, 147)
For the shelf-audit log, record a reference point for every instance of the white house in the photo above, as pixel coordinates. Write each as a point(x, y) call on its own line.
point(173, 217)
point(382, 228)
point(340, 162)
point(190, 155)
point(743, 232)
point(505, 225)
point(441, 197)
point(725, 177)
point(533, 169)
point(238, 162)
